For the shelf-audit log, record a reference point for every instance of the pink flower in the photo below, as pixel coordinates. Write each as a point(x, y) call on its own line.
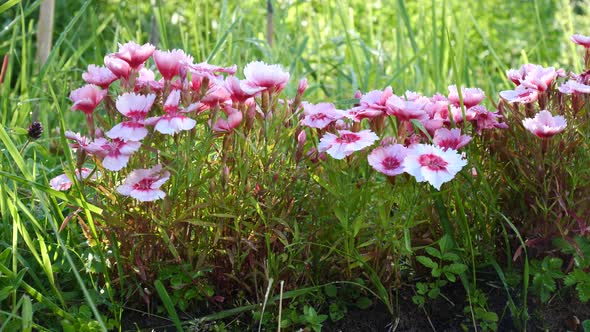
point(135, 107)
point(169, 62)
point(581, 40)
point(144, 184)
point(517, 75)
point(371, 105)
point(428, 163)
point(117, 66)
point(234, 118)
point(406, 110)
point(388, 159)
point(485, 119)
point(262, 77)
point(545, 125)
point(87, 98)
point(81, 141)
point(450, 139)
point(100, 76)
point(320, 115)
point(346, 142)
point(217, 95)
point(63, 182)
point(114, 154)
point(302, 86)
point(173, 121)
point(237, 93)
point(574, 87)
point(147, 79)
point(539, 78)
point(135, 55)
point(521, 94)
point(205, 68)
point(471, 96)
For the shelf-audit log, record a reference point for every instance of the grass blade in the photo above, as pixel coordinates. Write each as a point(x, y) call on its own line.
point(168, 304)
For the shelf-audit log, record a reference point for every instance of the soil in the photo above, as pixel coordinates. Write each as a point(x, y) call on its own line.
point(445, 314)
point(562, 313)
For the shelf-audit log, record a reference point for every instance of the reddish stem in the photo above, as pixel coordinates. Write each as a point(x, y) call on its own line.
point(4, 67)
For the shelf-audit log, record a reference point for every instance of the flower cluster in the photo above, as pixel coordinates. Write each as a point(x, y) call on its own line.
point(538, 88)
point(142, 101)
point(429, 154)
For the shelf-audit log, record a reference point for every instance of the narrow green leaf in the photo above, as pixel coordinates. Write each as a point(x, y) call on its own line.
point(168, 304)
point(6, 6)
point(27, 314)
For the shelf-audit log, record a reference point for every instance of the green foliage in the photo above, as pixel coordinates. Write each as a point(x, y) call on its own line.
point(545, 273)
point(446, 266)
point(486, 320)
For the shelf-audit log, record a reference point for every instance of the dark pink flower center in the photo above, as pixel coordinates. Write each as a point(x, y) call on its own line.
point(136, 114)
point(318, 116)
point(144, 184)
point(390, 163)
point(433, 162)
point(348, 138)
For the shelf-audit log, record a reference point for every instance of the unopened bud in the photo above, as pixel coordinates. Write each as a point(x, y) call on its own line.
point(301, 138)
point(225, 176)
point(389, 140)
point(358, 94)
point(302, 86)
point(340, 125)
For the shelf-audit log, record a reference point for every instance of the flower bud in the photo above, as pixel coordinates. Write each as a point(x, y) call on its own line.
point(301, 138)
point(389, 140)
point(35, 130)
point(302, 86)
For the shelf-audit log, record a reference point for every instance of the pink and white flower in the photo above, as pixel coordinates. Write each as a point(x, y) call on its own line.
point(262, 77)
point(147, 79)
point(135, 107)
point(173, 121)
point(144, 184)
point(204, 69)
point(581, 40)
point(471, 96)
point(320, 115)
point(373, 104)
point(119, 67)
point(485, 119)
point(388, 159)
point(135, 55)
point(234, 118)
point(428, 163)
point(217, 95)
point(346, 142)
point(100, 76)
point(544, 124)
point(574, 87)
point(521, 94)
point(406, 110)
point(450, 139)
point(80, 141)
point(539, 78)
point(169, 62)
point(63, 182)
point(114, 154)
point(87, 98)
point(237, 93)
